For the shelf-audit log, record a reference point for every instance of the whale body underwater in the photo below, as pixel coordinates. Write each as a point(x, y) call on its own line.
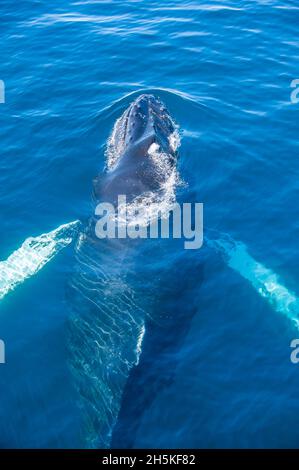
point(114, 286)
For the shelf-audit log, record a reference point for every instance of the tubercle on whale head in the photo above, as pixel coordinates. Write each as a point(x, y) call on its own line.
point(147, 121)
point(141, 152)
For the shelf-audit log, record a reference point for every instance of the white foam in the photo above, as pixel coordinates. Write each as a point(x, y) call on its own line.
point(33, 254)
point(153, 148)
point(115, 143)
point(175, 139)
point(150, 204)
point(139, 344)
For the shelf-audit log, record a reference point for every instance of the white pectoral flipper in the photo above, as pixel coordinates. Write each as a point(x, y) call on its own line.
point(33, 254)
point(263, 279)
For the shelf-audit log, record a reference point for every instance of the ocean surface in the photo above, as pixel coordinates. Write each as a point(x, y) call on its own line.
point(217, 372)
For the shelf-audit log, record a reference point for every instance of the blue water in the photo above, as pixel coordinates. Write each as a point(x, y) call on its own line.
point(218, 372)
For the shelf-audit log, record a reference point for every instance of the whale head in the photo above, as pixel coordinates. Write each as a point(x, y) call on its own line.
point(140, 153)
point(147, 121)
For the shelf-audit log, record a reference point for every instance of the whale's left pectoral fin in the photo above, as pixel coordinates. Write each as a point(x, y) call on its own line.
point(34, 253)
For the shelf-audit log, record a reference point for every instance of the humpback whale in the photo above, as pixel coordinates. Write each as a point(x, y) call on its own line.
point(112, 290)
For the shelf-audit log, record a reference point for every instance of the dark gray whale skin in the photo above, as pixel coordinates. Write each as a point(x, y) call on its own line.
point(145, 122)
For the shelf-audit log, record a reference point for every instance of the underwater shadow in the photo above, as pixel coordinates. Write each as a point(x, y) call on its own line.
point(176, 305)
